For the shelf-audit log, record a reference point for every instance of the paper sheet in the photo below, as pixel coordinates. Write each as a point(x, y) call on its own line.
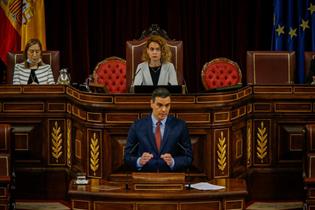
point(206, 186)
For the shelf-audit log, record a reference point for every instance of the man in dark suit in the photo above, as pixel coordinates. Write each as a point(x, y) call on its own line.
point(159, 142)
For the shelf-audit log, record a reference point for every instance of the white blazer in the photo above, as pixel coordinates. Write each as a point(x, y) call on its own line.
point(43, 73)
point(167, 75)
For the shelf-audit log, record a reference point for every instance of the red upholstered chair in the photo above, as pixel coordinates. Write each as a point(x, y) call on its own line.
point(221, 73)
point(49, 57)
point(111, 73)
point(134, 49)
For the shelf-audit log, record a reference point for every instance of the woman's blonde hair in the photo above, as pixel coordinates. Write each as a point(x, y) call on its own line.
point(166, 53)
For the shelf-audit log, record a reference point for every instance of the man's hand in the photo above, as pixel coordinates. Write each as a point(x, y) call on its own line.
point(146, 157)
point(167, 157)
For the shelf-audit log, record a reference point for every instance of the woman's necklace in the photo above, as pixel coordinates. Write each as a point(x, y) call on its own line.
point(155, 69)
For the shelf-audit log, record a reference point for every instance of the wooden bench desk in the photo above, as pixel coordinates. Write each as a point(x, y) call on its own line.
point(100, 194)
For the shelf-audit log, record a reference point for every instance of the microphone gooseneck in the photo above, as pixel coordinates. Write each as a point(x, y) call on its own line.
point(187, 170)
point(133, 148)
point(133, 81)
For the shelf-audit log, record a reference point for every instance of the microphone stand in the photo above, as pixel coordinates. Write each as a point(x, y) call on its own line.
point(126, 184)
point(133, 81)
point(188, 178)
point(133, 148)
point(188, 168)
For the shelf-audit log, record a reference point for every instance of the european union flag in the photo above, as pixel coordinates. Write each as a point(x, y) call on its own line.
point(294, 29)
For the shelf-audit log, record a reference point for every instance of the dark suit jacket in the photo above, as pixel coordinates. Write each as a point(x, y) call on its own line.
point(175, 141)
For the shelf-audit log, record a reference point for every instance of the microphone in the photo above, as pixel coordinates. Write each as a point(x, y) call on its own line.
point(187, 170)
point(133, 148)
point(182, 147)
point(133, 81)
point(185, 87)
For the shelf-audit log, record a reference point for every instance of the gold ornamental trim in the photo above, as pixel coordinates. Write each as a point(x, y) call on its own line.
point(249, 144)
point(262, 142)
point(94, 153)
point(69, 143)
point(221, 152)
point(56, 140)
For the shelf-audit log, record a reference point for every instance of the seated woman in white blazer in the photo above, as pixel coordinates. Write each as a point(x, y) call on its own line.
point(156, 69)
point(33, 70)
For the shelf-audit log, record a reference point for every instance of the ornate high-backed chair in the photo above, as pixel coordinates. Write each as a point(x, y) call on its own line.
point(111, 73)
point(270, 67)
point(135, 48)
point(49, 57)
point(221, 73)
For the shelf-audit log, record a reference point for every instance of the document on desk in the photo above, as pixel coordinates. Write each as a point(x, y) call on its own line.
point(206, 186)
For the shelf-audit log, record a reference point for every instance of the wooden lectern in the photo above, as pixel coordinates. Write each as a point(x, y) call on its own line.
point(158, 181)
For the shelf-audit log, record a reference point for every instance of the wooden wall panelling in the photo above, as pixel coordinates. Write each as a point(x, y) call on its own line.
point(117, 144)
point(201, 154)
point(115, 138)
point(309, 167)
point(310, 131)
point(290, 143)
point(112, 154)
point(6, 168)
point(79, 148)
point(28, 142)
point(238, 152)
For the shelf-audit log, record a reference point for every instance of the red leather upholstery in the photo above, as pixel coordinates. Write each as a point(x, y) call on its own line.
point(111, 73)
point(49, 57)
point(219, 73)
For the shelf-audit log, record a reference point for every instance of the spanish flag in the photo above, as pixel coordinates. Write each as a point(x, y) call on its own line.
point(33, 22)
point(21, 20)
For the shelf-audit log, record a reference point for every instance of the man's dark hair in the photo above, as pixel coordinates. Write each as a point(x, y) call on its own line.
point(160, 92)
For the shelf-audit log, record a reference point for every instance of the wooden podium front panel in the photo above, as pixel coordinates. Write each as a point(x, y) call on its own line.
point(81, 204)
point(102, 205)
point(210, 205)
point(156, 206)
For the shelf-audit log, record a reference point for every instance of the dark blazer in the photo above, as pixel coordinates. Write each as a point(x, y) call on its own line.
point(176, 141)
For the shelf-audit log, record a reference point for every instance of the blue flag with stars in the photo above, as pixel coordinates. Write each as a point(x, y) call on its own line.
point(294, 30)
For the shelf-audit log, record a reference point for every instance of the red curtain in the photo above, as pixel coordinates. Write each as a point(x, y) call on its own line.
point(86, 31)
